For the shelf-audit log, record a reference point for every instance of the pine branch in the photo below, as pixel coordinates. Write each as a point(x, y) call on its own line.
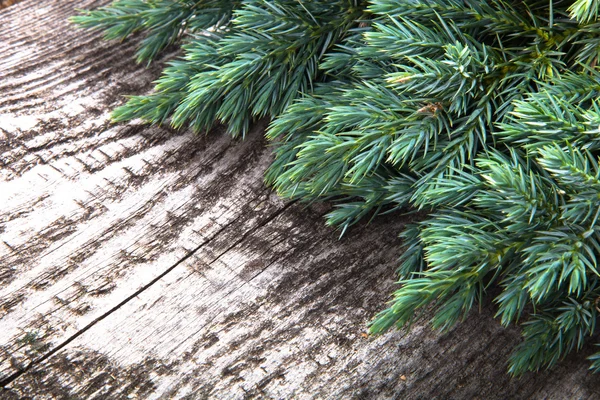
point(483, 114)
point(164, 21)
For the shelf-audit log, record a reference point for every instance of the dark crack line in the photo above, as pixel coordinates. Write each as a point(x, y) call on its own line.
point(207, 323)
point(211, 320)
point(11, 378)
point(72, 220)
point(231, 247)
point(77, 297)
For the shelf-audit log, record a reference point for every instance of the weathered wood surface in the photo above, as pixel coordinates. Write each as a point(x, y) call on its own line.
point(139, 262)
point(6, 3)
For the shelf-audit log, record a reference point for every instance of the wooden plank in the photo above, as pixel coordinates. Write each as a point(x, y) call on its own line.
point(140, 262)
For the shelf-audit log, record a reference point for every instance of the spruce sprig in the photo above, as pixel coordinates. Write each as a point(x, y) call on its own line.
point(482, 114)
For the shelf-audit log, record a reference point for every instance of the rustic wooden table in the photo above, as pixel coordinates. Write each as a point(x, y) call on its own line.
point(140, 262)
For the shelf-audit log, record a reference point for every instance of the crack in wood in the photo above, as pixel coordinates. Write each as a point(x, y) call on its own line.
point(11, 378)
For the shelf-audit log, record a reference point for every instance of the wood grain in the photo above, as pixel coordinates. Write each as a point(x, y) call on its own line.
point(6, 3)
point(142, 262)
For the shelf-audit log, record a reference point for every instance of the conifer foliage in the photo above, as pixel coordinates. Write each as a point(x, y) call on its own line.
point(485, 115)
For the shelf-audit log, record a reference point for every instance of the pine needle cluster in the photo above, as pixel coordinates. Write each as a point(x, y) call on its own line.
point(485, 115)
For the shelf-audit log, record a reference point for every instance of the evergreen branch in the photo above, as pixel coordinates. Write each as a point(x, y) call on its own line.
point(164, 21)
point(484, 114)
point(584, 10)
point(551, 335)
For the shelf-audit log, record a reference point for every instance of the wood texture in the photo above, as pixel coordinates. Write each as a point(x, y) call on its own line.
point(6, 3)
point(140, 262)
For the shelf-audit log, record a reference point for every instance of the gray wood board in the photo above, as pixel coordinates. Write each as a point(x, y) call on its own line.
point(142, 262)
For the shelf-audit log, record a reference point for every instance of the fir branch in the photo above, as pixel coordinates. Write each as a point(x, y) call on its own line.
point(485, 115)
point(164, 21)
